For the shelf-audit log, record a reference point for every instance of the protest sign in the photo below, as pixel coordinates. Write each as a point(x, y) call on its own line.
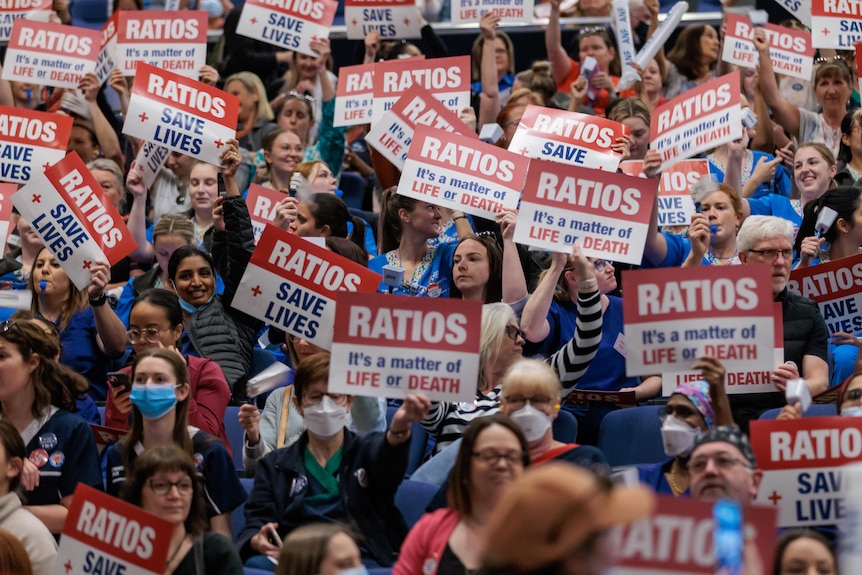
point(447, 78)
point(835, 24)
point(392, 134)
point(175, 41)
point(30, 142)
point(850, 528)
point(288, 24)
point(800, 10)
point(11, 10)
point(293, 285)
point(675, 206)
point(737, 382)
point(697, 120)
point(470, 11)
point(395, 346)
point(462, 173)
point(568, 138)
point(68, 209)
point(183, 115)
point(790, 51)
point(150, 159)
point(6, 193)
point(106, 436)
point(678, 539)
point(836, 287)
point(391, 19)
point(103, 534)
point(354, 95)
point(50, 54)
point(802, 462)
point(672, 316)
point(607, 213)
point(262, 202)
point(105, 61)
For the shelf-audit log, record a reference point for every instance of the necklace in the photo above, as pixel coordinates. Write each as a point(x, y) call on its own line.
point(674, 486)
point(177, 550)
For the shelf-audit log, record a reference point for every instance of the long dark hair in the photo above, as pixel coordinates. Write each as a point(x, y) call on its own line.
point(184, 252)
point(789, 537)
point(494, 287)
point(686, 54)
point(166, 458)
point(390, 225)
point(330, 210)
point(844, 200)
point(14, 447)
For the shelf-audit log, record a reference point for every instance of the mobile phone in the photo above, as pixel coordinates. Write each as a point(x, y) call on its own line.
point(222, 190)
point(274, 538)
point(728, 536)
point(120, 379)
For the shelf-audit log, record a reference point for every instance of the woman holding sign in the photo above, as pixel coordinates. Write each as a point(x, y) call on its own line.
point(165, 483)
point(91, 334)
point(160, 400)
point(502, 344)
point(212, 328)
point(405, 227)
point(36, 398)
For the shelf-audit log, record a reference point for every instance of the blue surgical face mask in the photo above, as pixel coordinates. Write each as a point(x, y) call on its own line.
point(187, 307)
point(153, 400)
point(855, 411)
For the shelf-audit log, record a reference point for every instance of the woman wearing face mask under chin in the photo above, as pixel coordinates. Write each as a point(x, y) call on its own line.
point(160, 401)
point(330, 475)
point(849, 400)
point(692, 408)
point(530, 396)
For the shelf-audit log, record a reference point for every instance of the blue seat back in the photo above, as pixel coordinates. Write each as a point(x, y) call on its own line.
point(565, 427)
point(234, 433)
point(412, 498)
point(237, 517)
point(418, 442)
point(815, 410)
point(631, 436)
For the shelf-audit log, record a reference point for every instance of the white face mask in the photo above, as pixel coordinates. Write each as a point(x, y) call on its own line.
point(326, 418)
point(533, 423)
point(855, 411)
point(677, 436)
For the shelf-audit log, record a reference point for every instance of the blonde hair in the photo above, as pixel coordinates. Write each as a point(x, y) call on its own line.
point(532, 374)
point(253, 84)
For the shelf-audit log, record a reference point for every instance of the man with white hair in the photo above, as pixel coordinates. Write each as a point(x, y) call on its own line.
point(769, 240)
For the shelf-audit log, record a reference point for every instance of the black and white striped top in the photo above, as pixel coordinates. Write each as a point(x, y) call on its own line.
point(447, 421)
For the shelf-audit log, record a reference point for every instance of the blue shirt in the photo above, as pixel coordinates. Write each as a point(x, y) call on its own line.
point(432, 278)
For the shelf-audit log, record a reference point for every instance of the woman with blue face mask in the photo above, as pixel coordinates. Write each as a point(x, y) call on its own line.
point(320, 549)
point(160, 402)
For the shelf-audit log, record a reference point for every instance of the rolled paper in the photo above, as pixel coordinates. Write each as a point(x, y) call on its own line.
point(623, 32)
point(651, 48)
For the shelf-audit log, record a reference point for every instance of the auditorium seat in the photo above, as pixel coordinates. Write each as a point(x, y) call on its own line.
point(632, 436)
point(815, 410)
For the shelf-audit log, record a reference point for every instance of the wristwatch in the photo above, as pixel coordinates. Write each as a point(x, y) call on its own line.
point(99, 301)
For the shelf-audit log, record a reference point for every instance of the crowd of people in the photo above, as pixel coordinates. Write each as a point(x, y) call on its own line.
point(154, 348)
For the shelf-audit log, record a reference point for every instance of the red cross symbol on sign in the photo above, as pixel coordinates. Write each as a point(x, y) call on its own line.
point(87, 264)
point(256, 291)
point(143, 116)
point(37, 198)
point(775, 497)
point(218, 143)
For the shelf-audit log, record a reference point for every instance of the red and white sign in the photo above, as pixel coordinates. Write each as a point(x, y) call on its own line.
point(677, 539)
point(675, 206)
point(103, 534)
point(568, 138)
point(183, 115)
point(50, 54)
point(790, 50)
point(470, 11)
point(606, 213)
point(462, 173)
point(105, 436)
point(800, 9)
point(393, 133)
point(68, 209)
point(391, 18)
point(697, 120)
point(836, 24)
point(150, 159)
point(736, 382)
point(293, 285)
point(262, 202)
point(30, 142)
point(397, 346)
point(447, 78)
point(288, 24)
point(11, 10)
point(858, 65)
point(802, 462)
point(6, 193)
point(105, 61)
point(673, 316)
point(175, 41)
point(354, 95)
point(836, 286)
